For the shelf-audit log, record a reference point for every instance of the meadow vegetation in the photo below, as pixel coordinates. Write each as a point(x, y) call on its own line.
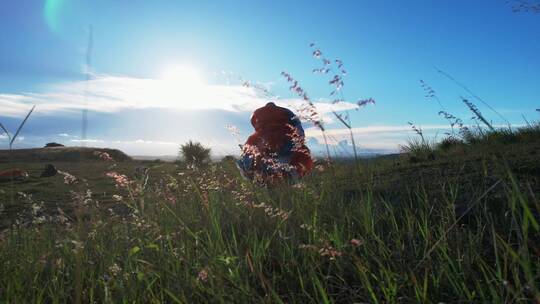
point(459, 228)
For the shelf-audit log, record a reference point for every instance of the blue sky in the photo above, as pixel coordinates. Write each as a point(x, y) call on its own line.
point(163, 72)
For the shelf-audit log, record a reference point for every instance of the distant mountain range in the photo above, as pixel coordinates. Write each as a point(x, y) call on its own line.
point(342, 150)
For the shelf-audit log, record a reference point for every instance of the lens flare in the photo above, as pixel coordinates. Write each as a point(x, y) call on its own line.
point(182, 76)
point(51, 13)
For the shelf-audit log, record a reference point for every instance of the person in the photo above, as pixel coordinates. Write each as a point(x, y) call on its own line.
point(276, 150)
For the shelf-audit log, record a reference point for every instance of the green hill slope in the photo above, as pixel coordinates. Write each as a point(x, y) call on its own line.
point(69, 154)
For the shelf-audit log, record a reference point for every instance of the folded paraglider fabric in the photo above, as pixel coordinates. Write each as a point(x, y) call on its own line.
point(277, 145)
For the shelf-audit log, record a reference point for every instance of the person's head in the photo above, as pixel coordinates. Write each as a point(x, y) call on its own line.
point(270, 104)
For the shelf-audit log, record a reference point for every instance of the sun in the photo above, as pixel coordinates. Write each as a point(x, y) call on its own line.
point(181, 84)
point(181, 76)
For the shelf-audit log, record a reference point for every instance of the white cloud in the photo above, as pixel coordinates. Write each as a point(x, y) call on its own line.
point(63, 135)
point(139, 146)
point(146, 142)
point(87, 141)
point(405, 129)
point(384, 137)
point(3, 136)
point(107, 93)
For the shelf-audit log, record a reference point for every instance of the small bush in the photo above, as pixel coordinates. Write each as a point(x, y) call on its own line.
point(228, 158)
point(419, 150)
point(503, 136)
point(195, 154)
point(449, 143)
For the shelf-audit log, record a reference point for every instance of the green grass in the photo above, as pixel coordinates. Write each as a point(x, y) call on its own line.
point(457, 229)
point(476, 141)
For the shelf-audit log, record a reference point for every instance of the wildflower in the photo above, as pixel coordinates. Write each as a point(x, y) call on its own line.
point(68, 178)
point(61, 217)
point(307, 227)
point(307, 110)
point(121, 180)
point(114, 269)
point(36, 208)
point(202, 276)
point(320, 168)
point(77, 245)
point(356, 242)
point(363, 102)
point(39, 220)
point(330, 252)
point(103, 156)
point(117, 197)
point(170, 197)
point(308, 247)
point(233, 130)
point(299, 186)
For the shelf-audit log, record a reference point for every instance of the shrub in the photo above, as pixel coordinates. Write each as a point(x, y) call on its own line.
point(418, 150)
point(503, 136)
point(449, 143)
point(194, 154)
point(228, 158)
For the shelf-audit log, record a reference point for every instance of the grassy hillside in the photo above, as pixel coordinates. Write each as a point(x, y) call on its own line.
point(66, 154)
point(461, 226)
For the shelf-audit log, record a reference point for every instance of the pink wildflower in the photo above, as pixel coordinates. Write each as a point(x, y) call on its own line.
point(202, 276)
point(121, 180)
point(330, 252)
point(356, 242)
point(104, 156)
point(68, 178)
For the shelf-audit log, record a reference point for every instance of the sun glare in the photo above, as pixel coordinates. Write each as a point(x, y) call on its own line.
point(180, 84)
point(182, 76)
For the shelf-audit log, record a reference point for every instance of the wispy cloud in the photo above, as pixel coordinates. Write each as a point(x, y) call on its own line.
point(90, 140)
point(108, 93)
point(139, 146)
point(386, 138)
point(4, 136)
point(147, 142)
point(137, 141)
point(375, 130)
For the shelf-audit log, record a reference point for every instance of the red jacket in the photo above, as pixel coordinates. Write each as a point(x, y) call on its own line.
point(279, 131)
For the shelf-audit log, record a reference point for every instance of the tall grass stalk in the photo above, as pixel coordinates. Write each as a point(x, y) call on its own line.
point(337, 83)
point(464, 87)
point(210, 236)
point(11, 140)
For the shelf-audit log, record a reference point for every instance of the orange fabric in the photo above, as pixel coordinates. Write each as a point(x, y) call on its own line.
point(12, 172)
point(272, 132)
point(271, 125)
point(302, 161)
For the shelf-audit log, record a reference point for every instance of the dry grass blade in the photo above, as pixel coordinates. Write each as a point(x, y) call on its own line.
point(3, 128)
point(21, 125)
point(464, 87)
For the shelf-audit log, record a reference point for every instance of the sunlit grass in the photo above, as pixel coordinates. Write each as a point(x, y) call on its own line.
point(208, 236)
